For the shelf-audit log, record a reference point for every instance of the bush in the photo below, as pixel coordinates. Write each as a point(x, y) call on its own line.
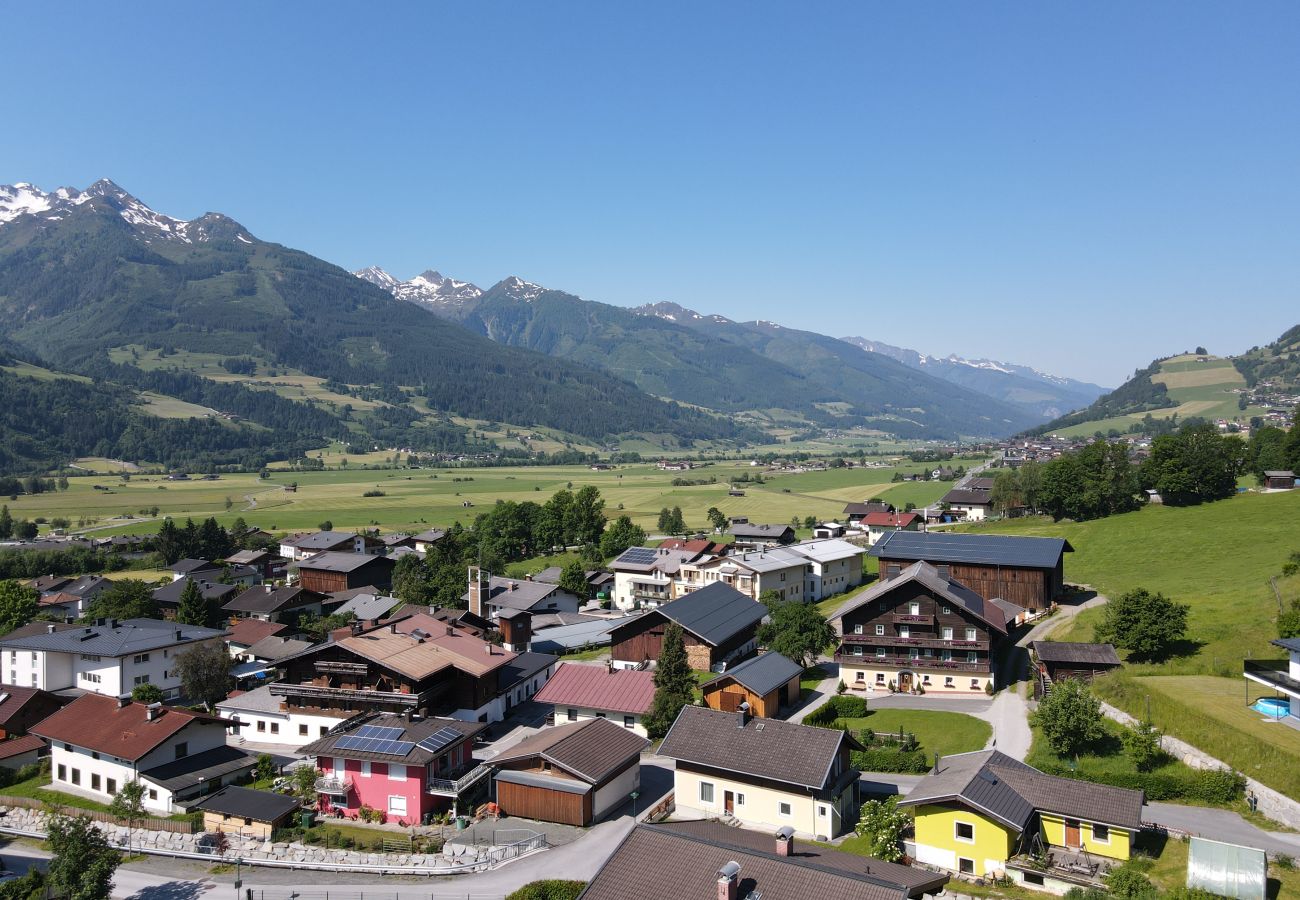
point(912, 762)
point(375, 493)
point(1216, 786)
point(841, 706)
point(1129, 883)
point(548, 889)
point(1203, 785)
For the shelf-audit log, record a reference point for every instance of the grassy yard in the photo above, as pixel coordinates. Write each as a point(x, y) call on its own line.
point(35, 789)
point(938, 731)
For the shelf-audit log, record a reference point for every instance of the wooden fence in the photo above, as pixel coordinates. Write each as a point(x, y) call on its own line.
point(149, 823)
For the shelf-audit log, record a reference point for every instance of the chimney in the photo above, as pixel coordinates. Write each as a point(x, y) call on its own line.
point(152, 712)
point(49, 629)
point(450, 630)
point(728, 881)
point(392, 627)
point(123, 702)
point(785, 841)
point(742, 715)
point(609, 667)
point(357, 626)
point(513, 585)
point(476, 590)
point(180, 636)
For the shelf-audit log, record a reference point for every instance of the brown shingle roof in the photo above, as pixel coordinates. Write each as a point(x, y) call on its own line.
point(13, 698)
point(99, 723)
point(595, 687)
point(20, 745)
point(592, 750)
point(396, 647)
point(249, 631)
point(1068, 652)
point(660, 863)
point(765, 748)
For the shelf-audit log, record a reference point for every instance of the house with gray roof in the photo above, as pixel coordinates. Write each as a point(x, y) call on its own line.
point(720, 625)
point(301, 546)
point(984, 814)
point(108, 656)
point(749, 536)
point(367, 604)
point(489, 598)
point(763, 773)
point(768, 682)
point(168, 597)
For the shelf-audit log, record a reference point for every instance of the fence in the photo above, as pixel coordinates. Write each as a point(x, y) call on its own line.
point(149, 823)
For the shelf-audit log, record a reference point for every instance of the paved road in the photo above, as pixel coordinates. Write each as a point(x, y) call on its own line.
point(1220, 825)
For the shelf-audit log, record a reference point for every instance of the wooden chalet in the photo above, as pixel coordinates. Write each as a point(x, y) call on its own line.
point(330, 571)
point(1054, 660)
point(719, 622)
point(767, 682)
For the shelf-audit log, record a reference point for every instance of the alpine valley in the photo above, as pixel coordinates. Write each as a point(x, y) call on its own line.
point(129, 334)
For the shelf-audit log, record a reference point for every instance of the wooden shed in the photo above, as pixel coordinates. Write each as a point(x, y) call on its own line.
point(238, 810)
point(330, 571)
point(767, 683)
point(1054, 660)
point(571, 774)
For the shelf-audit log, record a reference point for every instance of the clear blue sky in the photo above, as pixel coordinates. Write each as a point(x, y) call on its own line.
point(1078, 187)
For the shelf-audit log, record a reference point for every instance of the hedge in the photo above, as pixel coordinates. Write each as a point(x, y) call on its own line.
point(841, 706)
point(548, 889)
point(913, 762)
point(1203, 785)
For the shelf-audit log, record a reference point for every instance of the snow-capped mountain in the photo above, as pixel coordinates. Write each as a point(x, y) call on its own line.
point(23, 199)
point(430, 288)
point(675, 312)
point(516, 288)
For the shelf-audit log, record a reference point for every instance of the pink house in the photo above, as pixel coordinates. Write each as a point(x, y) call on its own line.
point(407, 769)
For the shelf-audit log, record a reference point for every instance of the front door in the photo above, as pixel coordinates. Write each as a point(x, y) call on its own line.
point(905, 681)
point(729, 802)
point(1072, 838)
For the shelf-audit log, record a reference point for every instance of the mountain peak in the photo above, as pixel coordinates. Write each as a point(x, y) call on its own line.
point(430, 288)
point(518, 289)
point(675, 312)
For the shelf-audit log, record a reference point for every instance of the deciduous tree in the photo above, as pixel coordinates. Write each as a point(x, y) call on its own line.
point(574, 580)
point(129, 598)
point(1070, 717)
point(83, 863)
point(1147, 625)
point(18, 605)
point(205, 673)
point(796, 630)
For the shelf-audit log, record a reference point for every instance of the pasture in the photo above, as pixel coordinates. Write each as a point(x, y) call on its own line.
point(424, 497)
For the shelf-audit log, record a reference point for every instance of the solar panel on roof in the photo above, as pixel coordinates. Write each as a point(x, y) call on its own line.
point(638, 555)
point(439, 739)
point(384, 746)
point(379, 731)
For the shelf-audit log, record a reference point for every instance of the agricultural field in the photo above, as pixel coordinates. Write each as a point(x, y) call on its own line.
point(1217, 558)
point(1201, 386)
point(420, 498)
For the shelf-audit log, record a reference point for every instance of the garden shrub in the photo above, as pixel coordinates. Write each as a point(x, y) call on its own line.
point(1203, 785)
point(913, 762)
point(548, 889)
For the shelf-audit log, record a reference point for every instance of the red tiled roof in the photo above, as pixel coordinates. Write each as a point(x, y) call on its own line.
point(59, 598)
point(889, 520)
point(595, 687)
point(250, 631)
point(21, 745)
point(99, 723)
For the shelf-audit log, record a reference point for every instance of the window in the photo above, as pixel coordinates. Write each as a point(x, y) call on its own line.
point(76, 776)
point(880, 652)
point(629, 721)
point(966, 866)
point(706, 792)
point(904, 631)
point(947, 610)
point(324, 729)
point(182, 750)
point(914, 608)
point(862, 676)
point(974, 684)
point(261, 725)
point(946, 655)
point(275, 728)
point(964, 831)
point(63, 772)
point(948, 682)
point(302, 729)
point(153, 793)
point(141, 679)
point(1032, 877)
point(94, 781)
point(880, 678)
point(397, 805)
point(947, 632)
point(880, 629)
point(925, 679)
point(110, 785)
point(396, 772)
point(86, 656)
point(573, 715)
point(857, 649)
point(857, 629)
point(33, 659)
point(928, 653)
point(783, 576)
point(600, 715)
point(784, 810)
point(821, 812)
point(1101, 833)
point(972, 656)
point(141, 658)
point(365, 769)
point(970, 634)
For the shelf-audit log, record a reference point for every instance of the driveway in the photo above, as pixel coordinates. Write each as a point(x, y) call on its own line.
point(1220, 825)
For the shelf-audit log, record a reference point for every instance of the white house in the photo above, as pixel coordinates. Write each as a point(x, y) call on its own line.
point(266, 720)
point(301, 546)
point(99, 744)
point(834, 566)
point(108, 657)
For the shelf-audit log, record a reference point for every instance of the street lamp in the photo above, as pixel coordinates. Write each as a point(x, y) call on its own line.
point(634, 796)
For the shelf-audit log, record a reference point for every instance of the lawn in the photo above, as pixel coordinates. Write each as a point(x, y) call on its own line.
point(1168, 868)
point(938, 731)
point(36, 789)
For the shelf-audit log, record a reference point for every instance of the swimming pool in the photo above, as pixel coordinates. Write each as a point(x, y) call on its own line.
point(1271, 706)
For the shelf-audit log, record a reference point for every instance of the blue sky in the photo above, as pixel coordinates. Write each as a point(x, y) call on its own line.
point(1079, 187)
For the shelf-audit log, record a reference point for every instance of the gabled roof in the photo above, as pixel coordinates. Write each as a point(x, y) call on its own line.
point(762, 674)
point(773, 559)
point(864, 509)
point(436, 647)
point(597, 687)
point(373, 604)
point(765, 748)
point(250, 557)
point(715, 613)
point(430, 536)
point(889, 519)
point(170, 594)
point(13, 698)
point(412, 732)
point(274, 648)
point(113, 638)
point(515, 593)
point(1292, 644)
point(263, 598)
point(769, 532)
point(967, 497)
point(826, 550)
point(319, 540)
point(247, 632)
point(980, 549)
point(20, 745)
point(245, 803)
point(330, 561)
point(188, 566)
point(592, 749)
point(928, 576)
point(100, 723)
point(666, 862)
point(1010, 791)
point(1068, 652)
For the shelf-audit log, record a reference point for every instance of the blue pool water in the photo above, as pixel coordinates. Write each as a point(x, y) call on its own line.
point(1271, 706)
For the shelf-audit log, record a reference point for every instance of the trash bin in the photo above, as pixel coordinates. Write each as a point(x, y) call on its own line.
point(307, 818)
point(461, 823)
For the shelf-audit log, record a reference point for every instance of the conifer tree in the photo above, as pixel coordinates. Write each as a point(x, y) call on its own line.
point(674, 683)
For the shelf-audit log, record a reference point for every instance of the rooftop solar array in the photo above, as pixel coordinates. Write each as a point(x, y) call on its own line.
point(383, 746)
point(439, 739)
point(379, 731)
point(638, 555)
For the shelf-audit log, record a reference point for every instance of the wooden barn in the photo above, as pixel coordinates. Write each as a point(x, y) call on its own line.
point(720, 624)
point(1054, 660)
point(1280, 480)
point(1028, 571)
point(572, 774)
point(767, 683)
point(330, 571)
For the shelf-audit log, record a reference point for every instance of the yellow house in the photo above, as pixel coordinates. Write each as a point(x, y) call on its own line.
point(986, 814)
point(763, 773)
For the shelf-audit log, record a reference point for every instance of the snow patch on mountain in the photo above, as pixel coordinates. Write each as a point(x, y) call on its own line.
point(674, 312)
point(518, 289)
point(429, 288)
point(26, 199)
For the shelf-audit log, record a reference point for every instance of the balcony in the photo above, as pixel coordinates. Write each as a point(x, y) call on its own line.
point(318, 692)
point(1272, 672)
point(912, 619)
point(454, 788)
point(342, 668)
point(893, 640)
point(906, 662)
point(334, 785)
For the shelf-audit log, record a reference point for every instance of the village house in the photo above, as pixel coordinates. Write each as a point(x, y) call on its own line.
point(854, 513)
point(107, 657)
point(575, 774)
point(265, 720)
point(919, 628)
point(244, 633)
point(646, 577)
point(768, 682)
point(283, 605)
point(598, 580)
point(710, 859)
point(720, 625)
point(424, 541)
point(758, 537)
point(984, 814)
point(301, 546)
point(491, 596)
point(69, 598)
point(168, 597)
point(331, 571)
point(1283, 676)
point(778, 569)
point(23, 707)
point(1028, 571)
point(972, 500)
point(1279, 480)
point(578, 692)
point(268, 565)
point(878, 524)
point(98, 744)
point(763, 773)
point(406, 767)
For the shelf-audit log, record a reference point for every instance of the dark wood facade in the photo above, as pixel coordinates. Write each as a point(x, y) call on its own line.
point(376, 571)
point(643, 638)
point(727, 695)
point(37, 707)
point(532, 802)
point(1034, 589)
